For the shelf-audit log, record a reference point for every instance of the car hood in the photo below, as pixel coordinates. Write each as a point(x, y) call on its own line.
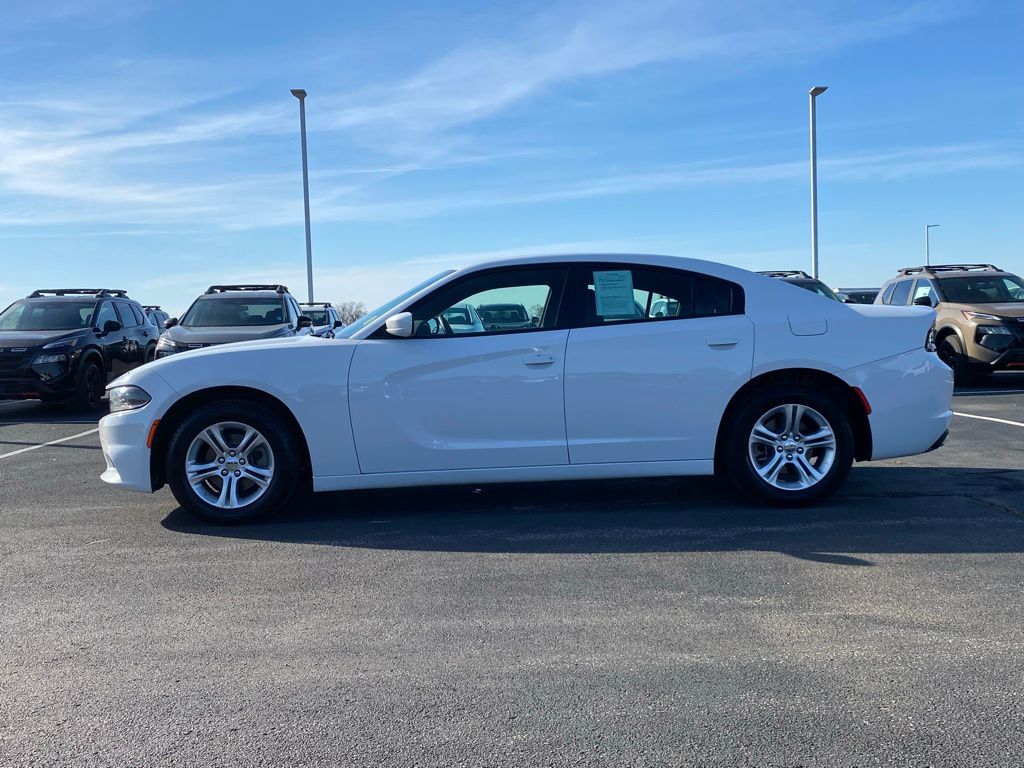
point(17, 339)
point(225, 335)
point(1005, 309)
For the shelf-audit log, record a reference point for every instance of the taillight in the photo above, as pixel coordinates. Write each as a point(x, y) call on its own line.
point(929, 341)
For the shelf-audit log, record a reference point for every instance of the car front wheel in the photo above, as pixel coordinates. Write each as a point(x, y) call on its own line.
point(233, 462)
point(789, 445)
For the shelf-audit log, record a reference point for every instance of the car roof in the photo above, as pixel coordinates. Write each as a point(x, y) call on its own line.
point(246, 294)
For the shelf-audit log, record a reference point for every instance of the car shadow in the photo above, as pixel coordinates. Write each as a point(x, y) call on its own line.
point(879, 510)
point(36, 412)
point(1002, 383)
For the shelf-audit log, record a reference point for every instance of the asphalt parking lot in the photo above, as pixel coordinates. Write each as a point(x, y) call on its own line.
point(612, 623)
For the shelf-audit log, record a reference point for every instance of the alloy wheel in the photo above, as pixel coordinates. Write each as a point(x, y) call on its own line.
point(792, 447)
point(229, 465)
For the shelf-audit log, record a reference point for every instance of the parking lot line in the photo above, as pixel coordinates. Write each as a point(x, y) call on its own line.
point(967, 416)
point(53, 442)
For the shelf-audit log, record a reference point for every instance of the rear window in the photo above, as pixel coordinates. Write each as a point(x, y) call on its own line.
point(234, 311)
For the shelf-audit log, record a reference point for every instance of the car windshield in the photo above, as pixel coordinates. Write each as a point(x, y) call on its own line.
point(318, 316)
point(815, 286)
point(220, 312)
point(47, 315)
point(385, 310)
point(983, 289)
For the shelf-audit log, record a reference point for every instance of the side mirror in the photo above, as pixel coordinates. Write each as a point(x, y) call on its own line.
point(923, 301)
point(304, 322)
point(111, 326)
point(535, 320)
point(399, 325)
point(170, 322)
point(338, 324)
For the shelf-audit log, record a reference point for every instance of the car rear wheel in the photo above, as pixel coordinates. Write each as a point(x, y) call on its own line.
point(789, 445)
point(233, 462)
point(89, 385)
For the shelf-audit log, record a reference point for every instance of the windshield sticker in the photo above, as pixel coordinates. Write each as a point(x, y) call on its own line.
point(613, 292)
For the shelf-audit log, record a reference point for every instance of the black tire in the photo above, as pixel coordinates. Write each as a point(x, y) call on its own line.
point(735, 458)
point(90, 384)
point(951, 352)
point(288, 469)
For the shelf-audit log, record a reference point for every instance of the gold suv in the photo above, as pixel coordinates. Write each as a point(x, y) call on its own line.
point(979, 314)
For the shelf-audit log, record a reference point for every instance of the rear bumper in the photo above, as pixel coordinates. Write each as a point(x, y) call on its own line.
point(911, 397)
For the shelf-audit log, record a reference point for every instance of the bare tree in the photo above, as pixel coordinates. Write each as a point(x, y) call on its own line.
point(351, 311)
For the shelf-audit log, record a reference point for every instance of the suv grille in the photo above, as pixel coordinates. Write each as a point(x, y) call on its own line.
point(12, 362)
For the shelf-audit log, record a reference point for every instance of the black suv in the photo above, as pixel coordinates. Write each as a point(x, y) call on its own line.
point(65, 343)
point(156, 315)
point(229, 313)
point(801, 279)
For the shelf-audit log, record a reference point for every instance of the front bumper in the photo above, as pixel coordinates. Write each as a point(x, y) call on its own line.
point(911, 397)
point(123, 438)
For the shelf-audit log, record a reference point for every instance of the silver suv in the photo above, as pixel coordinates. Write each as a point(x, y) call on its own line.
point(227, 313)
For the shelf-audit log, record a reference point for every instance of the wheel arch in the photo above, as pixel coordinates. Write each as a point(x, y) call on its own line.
point(945, 331)
point(844, 395)
point(177, 413)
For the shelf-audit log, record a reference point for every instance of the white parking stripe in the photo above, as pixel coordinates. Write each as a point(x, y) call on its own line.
point(54, 442)
point(967, 416)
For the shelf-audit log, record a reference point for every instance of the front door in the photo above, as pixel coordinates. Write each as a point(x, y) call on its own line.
point(441, 400)
point(655, 360)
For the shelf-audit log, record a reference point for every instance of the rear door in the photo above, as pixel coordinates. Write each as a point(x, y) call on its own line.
point(135, 334)
point(652, 360)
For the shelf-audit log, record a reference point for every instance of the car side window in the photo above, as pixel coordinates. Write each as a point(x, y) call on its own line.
point(506, 301)
point(901, 293)
point(293, 311)
point(124, 315)
point(106, 313)
point(924, 288)
point(887, 293)
point(623, 293)
point(140, 319)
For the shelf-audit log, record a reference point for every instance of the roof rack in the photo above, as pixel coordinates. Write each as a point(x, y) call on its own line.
point(785, 273)
point(120, 292)
point(150, 307)
point(316, 304)
point(949, 268)
point(252, 287)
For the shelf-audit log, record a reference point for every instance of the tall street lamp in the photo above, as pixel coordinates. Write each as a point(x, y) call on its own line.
point(815, 92)
point(300, 94)
point(927, 250)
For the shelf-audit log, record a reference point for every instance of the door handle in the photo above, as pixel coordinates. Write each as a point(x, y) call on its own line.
point(722, 343)
point(534, 360)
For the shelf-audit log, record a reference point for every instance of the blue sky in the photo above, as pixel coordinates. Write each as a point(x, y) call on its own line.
point(154, 145)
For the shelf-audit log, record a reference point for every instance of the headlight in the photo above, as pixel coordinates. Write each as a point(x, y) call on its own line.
point(168, 347)
point(979, 315)
point(50, 365)
point(1001, 329)
point(127, 398)
point(48, 359)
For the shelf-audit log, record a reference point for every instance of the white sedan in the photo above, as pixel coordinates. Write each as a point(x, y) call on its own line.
point(637, 366)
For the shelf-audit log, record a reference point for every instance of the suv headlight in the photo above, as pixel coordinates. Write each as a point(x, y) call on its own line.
point(995, 337)
point(979, 315)
point(127, 398)
point(169, 347)
point(50, 365)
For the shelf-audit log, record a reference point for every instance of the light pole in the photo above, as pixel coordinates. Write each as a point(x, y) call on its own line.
point(814, 92)
point(927, 250)
point(300, 94)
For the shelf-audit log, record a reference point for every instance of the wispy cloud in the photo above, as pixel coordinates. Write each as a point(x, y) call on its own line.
point(99, 157)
